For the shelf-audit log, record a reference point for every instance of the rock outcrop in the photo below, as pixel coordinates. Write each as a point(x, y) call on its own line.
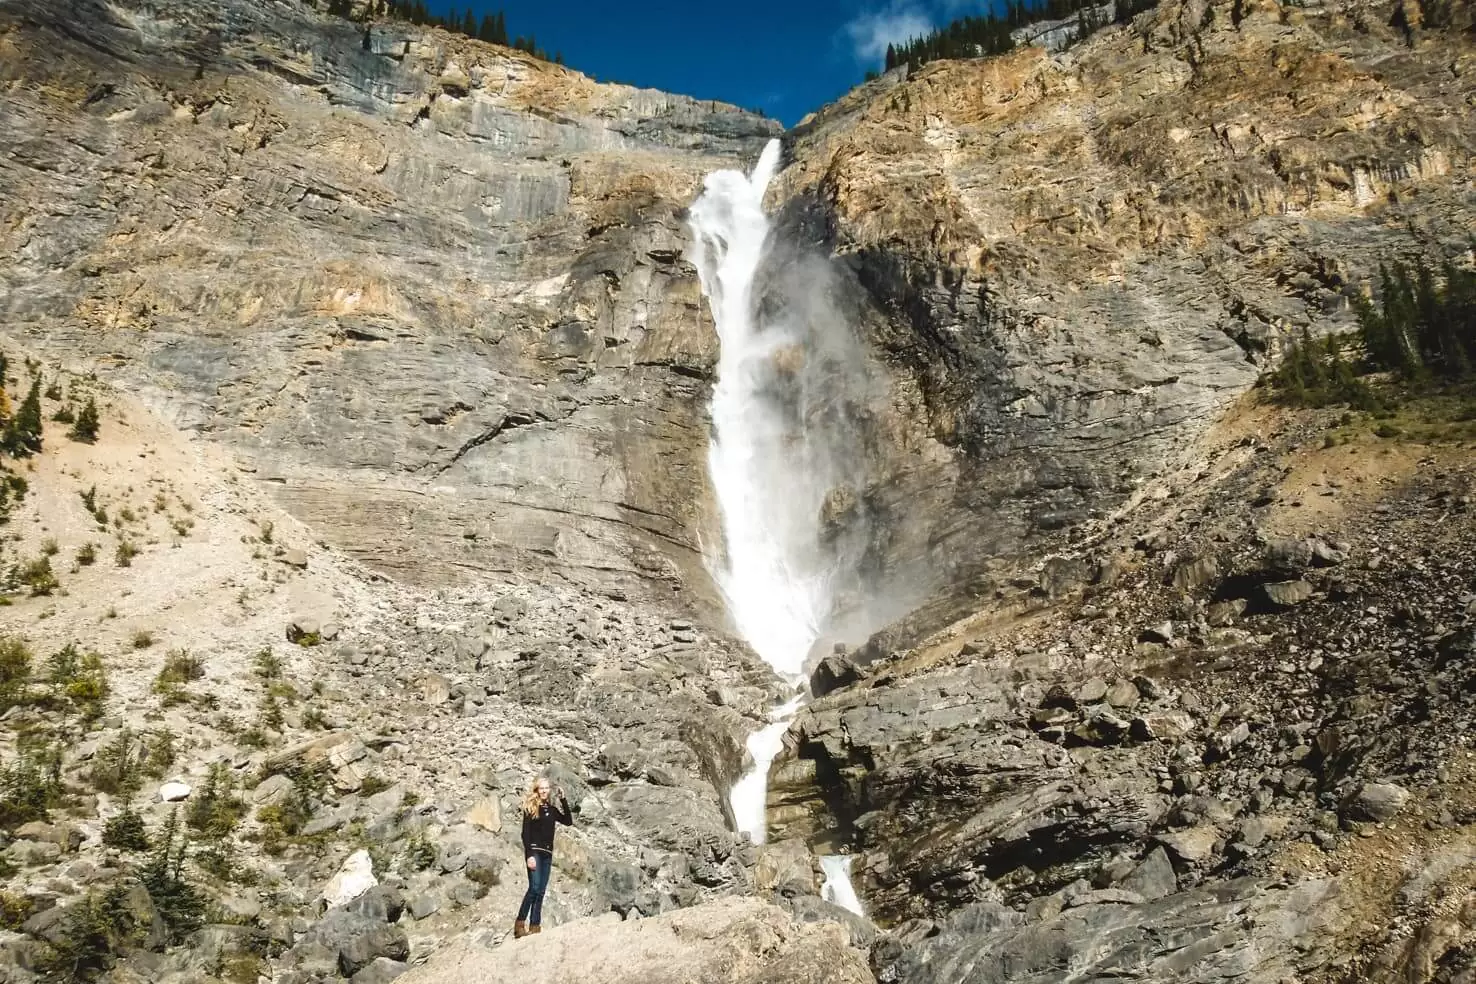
point(723, 942)
point(430, 289)
point(1089, 783)
point(1073, 263)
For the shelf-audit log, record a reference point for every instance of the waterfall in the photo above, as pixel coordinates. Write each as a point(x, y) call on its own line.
point(782, 457)
point(750, 793)
point(769, 477)
point(837, 889)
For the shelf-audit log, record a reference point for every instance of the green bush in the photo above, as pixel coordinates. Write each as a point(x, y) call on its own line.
point(38, 576)
point(99, 513)
point(81, 678)
point(86, 427)
point(179, 667)
point(420, 853)
point(115, 768)
point(159, 753)
point(97, 928)
point(28, 791)
point(282, 822)
point(126, 832)
point(179, 903)
point(13, 490)
point(15, 670)
point(214, 809)
point(125, 552)
point(268, 664)
point(372, 785)
point(14, 910)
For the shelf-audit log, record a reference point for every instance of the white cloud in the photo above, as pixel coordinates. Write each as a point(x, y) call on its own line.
point(871, 31)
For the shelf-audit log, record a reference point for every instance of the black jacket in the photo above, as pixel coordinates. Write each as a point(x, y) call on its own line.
point(538, 832)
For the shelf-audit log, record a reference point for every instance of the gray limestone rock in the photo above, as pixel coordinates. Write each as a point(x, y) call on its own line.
point(1378, 801)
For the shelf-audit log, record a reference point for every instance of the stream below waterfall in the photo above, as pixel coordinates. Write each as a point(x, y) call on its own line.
point(770, 474)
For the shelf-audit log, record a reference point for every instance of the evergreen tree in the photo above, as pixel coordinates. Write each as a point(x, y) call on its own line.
point(180, 904)
point(86, 426)
point(499, 29)
point(23, 432)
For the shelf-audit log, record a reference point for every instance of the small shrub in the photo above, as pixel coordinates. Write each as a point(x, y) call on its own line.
point(86, 427)
point(161, 503)
point(87, 555)
point(97, 928)
point(125, 552)
point(115, 768)
point(266, 531)
point(372, 785)
point(15, 670)
point(14, 910)
point(179, 903)
point(65, 415)
point(179, 667)
point(38, 576)
point(49, 547)
point(420, 853)
point(268, 664)
point(28, 790)
point(314, 720)
point(143, 639)
point(214, 809)
point(82, 680)
point(126, 832)
point(54, 391)
point(182, 527)
point(127, 515)
point(159, 753)
point(89, 499)
point(219, 861)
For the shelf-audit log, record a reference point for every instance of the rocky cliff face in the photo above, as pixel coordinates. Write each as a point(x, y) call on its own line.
point(1077, 262)
point(1169, 704)
point(430, 289)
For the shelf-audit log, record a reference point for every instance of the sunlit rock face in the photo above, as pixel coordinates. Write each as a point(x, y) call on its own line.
point(430, 289)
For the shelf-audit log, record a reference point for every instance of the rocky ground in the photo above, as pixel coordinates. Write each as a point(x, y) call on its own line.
point(318, 710)
point(1230, 737)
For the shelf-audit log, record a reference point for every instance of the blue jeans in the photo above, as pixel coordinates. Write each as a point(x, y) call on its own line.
point(532, 907)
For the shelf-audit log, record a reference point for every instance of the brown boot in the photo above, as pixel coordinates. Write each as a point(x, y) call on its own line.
point(520, 929)
point(534, 928)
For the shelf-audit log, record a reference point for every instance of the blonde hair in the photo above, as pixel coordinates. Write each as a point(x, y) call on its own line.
point(530, 798)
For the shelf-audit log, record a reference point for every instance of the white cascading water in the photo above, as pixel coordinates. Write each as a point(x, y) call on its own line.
point(763, 470)
point(770, 477)
point(838, 889)
point(750, 794)
point(769, 542)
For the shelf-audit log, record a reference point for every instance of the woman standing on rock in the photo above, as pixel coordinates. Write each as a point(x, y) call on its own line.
point(539, 815)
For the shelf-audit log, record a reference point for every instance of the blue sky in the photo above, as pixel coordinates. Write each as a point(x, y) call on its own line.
point(786, 57)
